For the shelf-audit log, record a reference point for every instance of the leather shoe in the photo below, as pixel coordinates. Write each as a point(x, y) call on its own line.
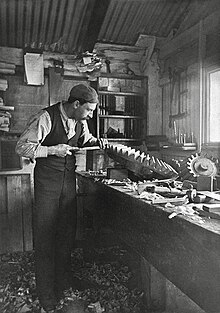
point(62, 284)
point(48, 310)
point(49, 305)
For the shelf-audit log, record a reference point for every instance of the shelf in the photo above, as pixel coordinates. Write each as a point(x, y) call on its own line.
point(180, 148)
point(121, 93)
point(136, 117)
point(122, 76)
point(125, 139)
point(122, 100)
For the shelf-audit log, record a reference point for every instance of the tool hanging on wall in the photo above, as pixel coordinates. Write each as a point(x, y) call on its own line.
point(107, 62)
point(175, 95)
point(172, 84)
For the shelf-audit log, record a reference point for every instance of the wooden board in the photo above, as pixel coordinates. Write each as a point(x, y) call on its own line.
point(211, 195)
point(14, 206)
point(15, 213)
point(55, 86)
point(27, 212)
point(3, 216)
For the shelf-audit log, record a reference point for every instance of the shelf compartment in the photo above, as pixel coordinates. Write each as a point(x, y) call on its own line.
point(110, 104)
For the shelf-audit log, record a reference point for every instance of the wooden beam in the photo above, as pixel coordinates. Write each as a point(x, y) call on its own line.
point(118, 54)
point(202, 93)
point(177, 43)
point(11, 55)
point(94, 26)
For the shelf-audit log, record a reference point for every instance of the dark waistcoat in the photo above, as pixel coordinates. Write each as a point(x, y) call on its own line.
point(57, 135)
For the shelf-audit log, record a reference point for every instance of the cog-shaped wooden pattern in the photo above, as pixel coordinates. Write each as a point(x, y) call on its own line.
point(141, 164)
point(201, 166)
point(197, 165)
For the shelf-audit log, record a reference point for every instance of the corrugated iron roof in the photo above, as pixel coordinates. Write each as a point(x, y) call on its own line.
point(72, 26)
point(125, 20)
point(43, 24)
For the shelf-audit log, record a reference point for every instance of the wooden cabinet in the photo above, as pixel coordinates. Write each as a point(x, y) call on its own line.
point(121, 114)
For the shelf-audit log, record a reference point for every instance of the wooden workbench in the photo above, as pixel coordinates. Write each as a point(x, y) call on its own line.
point(185, 249)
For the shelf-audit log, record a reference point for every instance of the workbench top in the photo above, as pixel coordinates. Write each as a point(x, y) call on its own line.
point(185, 248)
point(209, 224)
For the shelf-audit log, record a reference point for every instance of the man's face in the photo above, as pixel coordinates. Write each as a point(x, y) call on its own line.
point(84, 111)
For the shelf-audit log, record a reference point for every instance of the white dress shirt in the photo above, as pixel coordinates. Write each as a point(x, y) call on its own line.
point(39, 126)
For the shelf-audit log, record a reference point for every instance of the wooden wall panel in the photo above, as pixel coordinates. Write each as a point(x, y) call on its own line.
point(15, 213)
point(27, 212)
point(182, 58)
point(26, 100)
point(3, 216)
point(190, 123)
point(55, 86)
point(213, 45)
point(195, 50)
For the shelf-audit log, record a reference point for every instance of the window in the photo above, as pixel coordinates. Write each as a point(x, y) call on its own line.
point(213, 107)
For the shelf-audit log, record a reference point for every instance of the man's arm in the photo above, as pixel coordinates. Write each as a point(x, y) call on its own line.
point(87, 139)
point(29, 144)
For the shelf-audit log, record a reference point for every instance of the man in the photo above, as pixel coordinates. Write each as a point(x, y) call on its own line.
point(51, 138)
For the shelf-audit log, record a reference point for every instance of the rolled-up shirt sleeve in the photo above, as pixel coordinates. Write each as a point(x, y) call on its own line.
point(29, 143)
point(86, 138)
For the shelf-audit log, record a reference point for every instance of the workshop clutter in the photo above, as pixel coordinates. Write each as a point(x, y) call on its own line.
point(4, 120)
point(5, 116)
point(179, 188)
point(91, 63)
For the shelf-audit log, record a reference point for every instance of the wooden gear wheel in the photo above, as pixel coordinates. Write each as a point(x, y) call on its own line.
point(195, 166)
point(141, 164)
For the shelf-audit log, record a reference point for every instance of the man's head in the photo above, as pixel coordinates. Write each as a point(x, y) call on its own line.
point(83, 100)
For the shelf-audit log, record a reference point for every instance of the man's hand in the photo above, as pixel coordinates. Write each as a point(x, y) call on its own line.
point(103, 143)
point(61, 150)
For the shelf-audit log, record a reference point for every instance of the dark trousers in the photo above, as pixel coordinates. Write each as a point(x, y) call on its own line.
point(54, 228)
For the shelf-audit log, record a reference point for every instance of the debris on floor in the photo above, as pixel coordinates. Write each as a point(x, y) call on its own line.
point(101, 279)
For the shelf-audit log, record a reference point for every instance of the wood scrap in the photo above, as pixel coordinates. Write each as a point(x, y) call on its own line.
point(104, 284)
point(211, 195)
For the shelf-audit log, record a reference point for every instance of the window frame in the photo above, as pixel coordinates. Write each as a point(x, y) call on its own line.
point(206, 108)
